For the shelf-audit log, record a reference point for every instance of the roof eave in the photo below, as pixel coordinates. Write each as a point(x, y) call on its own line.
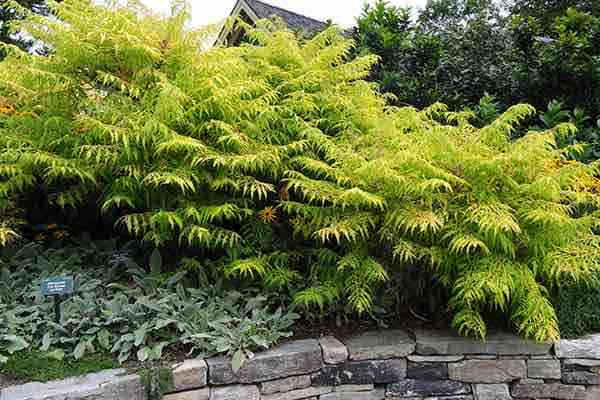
point(240, 6)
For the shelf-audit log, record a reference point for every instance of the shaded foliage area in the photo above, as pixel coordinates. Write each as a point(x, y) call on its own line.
point(547, 10)
point(560, 60)
point(454, 52)
point(457, 52)
point(577, 309)
point(13, 11)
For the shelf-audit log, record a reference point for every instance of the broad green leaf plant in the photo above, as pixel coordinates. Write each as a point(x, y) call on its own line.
point(238, 150)
point(118, 307)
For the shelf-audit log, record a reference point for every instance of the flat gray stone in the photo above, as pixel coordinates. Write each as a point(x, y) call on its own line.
point(235, 392)
point(418, 388)
point(379, 345)
point(294, 358)
point(200, 394)
point(354, 388)
point(457, 397)
point(530, 380)
point(334, 351)
point(592, 393)
point(361, 373)
point(583, 362)
point(299, 394)
point(445, 343)
point(549, 390)
point(487, 371)
point(427, 371)
point(37, 391)
point(519, 357)
point(434, 359)
point(543, 369)
point(100, 385)
point(128, 387)
point(581, 378)
point(376, 394)
point(586, 347)
point(492, 391)
point(190, 374)
point(285, 384)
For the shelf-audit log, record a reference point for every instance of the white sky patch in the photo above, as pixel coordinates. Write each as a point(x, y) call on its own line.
point(341, 12)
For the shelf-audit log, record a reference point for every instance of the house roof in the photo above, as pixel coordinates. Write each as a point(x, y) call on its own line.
point(294, 20)
point(255, 10)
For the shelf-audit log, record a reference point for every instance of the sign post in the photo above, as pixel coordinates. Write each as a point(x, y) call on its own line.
point(56, 287)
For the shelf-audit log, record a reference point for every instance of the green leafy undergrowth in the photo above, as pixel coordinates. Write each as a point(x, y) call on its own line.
point(578, 309)
point(37, 366)
point(121, 308)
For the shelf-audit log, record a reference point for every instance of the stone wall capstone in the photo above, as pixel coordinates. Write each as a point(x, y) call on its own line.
point(377, 365)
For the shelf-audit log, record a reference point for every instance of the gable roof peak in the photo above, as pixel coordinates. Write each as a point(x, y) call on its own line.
point(294, 20)
point(258, 9)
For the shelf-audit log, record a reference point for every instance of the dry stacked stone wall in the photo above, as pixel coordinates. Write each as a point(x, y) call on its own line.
point(393, 364)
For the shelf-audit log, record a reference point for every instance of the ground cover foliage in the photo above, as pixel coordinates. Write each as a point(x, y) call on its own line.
point(577, 309)
point(119, 307)
point(35, 366)
point(277, 165)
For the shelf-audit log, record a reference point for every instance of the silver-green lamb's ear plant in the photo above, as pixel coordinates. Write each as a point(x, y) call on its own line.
point(134, 322)
point(206, 148)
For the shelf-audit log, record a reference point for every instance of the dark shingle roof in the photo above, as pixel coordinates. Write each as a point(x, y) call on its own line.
point(294, 21)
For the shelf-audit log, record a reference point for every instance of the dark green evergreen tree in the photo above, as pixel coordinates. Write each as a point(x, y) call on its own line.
point(545, 11)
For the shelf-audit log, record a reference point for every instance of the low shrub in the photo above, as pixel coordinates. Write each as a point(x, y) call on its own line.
point(578, 309)
point(121, 308)
point(498, 222)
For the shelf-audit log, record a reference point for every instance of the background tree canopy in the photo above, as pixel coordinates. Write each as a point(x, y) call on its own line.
point(457, 52)
point(547, 10)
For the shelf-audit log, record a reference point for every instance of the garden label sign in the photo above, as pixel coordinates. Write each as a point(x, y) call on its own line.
point(56, 287)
